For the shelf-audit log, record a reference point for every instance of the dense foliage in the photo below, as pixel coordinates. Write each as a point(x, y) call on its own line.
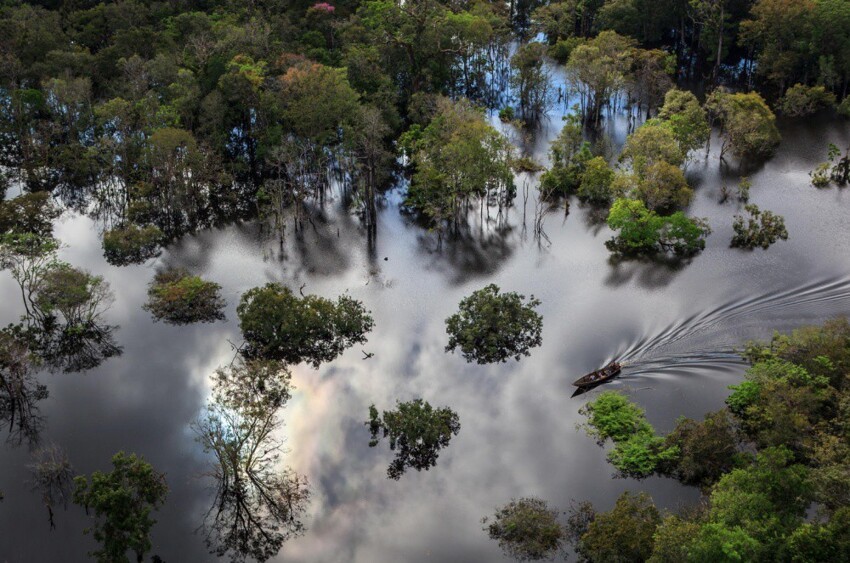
point(177, 297)
point(458, 160)
point(416, 432)
point(121, 502)
point(526, 529)
point(642, 231)
point(278, 325)
point(758, 229)
point(492, 327)
point(789, 501)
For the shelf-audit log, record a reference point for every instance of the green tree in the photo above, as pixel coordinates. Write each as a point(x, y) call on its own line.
point(278, 325)
point(600, 68)
point(491, 327)
point(779, 403)
point(654, 142)
point(122, 501)
point(531, 80)
point(569, 154)
point(132, 244)
point(637, 451)
point(458, 159)
point(416, 432)
point(642, 231)
point(801, 100)
point(758, 229)
point(526, 529)
point(596, 181)
point(778, 30)
point(707, 449)
point(177, 297)
point(623, 534)
point(746, 123)
point(687, 118)
point(758, 505)
point(258, 505)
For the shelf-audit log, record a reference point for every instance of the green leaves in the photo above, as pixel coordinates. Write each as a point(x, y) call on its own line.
point(758, 229)
point(416, 432)
point(491, 327)
point(179, 298)
point(458, 158)
point(122, 501)
point(526, 529)
point(277, 325)
point(637, 452)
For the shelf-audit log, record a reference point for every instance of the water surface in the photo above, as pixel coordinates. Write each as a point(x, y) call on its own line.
point(676, 326)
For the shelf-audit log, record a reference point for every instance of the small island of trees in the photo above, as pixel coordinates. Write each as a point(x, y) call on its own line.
point(492, 327)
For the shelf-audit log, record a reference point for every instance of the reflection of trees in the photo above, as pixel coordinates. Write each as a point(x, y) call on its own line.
point(64, 305)
point(74, 347)
point(416, 432)
point(20, 392)
point(53, 477)
point(257, 506)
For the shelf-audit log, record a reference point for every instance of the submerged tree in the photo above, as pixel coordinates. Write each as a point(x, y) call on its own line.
point(747, 124)
point(177, 297)
point(257, 506)
point(278, 325)
point(642, 231)
point(459, 160)
point(600, 68)
point(531, 80)
point(122, 501)
point(527, 529)
point(492, 327)
point(416, 432)
point(638, 451)
point(687, 118)
point(623, 534)
point(52, 477)
point(801, 100)
point(569, 154)
point(758, 229)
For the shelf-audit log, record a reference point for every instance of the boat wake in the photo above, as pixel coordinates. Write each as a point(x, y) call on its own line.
point(811, 302)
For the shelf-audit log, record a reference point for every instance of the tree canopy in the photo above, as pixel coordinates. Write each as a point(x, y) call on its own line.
point(122, 501)
point(279, 325)
point(492, 327)
point(416, 432)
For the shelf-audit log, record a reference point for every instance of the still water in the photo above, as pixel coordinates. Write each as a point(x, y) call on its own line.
point(676, 326)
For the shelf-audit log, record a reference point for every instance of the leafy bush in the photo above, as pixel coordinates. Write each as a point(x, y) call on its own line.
point(416, 432)
point(526, 529)
point(761, 228)
point(176, 297)
point(131, 244)
point(277, 325)
point(596, 181)
point(801, 100)
point(637, 452)
point(642, 231)
point(491, 327)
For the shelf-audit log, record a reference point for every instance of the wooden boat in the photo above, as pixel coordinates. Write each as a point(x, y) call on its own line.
point(607, 373)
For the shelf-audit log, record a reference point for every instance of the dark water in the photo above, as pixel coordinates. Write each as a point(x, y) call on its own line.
point(675, 326)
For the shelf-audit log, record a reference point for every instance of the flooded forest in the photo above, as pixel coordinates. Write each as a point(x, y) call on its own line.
point(423, 280)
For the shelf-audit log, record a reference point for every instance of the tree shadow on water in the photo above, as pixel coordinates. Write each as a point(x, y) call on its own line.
point(650, 272)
